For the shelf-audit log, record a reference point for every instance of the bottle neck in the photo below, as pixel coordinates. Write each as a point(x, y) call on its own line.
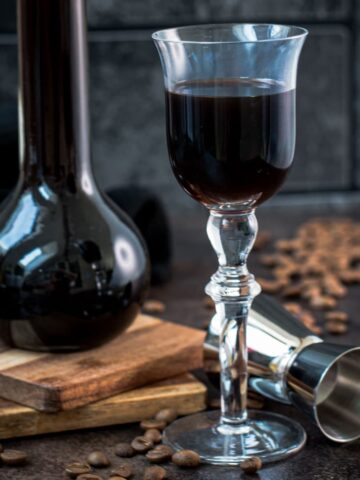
point(53, 96)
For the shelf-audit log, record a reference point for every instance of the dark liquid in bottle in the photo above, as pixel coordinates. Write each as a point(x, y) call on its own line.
point(231, 142)
point(73, 270)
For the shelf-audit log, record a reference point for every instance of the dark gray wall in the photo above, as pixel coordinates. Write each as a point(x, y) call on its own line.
point(127, 94)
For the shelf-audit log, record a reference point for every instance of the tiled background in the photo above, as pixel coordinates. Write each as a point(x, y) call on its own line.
point(127, 95)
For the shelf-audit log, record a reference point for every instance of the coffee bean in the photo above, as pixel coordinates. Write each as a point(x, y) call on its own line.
point(124, 470)
point(13, 457)
point(269, 260)
point(153, 423)
point(262, 239)
point(336, 328)
point(350, 276)
point(186, 459)
point(208, 303)
point(251, 465)
point(286, 261)
point(153, 306)
point(89, 476)
point(284, 273)
point(214, 402)
point(160, 454)
point(124, 450)
point(308, 293)
point(292, 307)
point(98, 459)
point(73, 470)
point(154, 473)
point(333, 287)
point(153, 434)
point(309, 282)
point(336, 316)
point(292, 291)
point(167, 415)
point(269, 286)
point(313, 267)
point(316, 330)
point(141, 444)
point(116, 477)
point(323, 302)
point(287, 246)
point(204, 325)
point(307, 319)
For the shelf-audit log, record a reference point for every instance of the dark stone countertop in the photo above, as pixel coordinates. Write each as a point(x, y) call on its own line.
point(194, 262)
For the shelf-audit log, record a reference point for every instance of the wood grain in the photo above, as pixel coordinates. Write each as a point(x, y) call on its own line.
point(184, 393)
point(149, 351)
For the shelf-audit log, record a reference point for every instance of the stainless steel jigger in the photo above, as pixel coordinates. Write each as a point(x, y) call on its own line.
point(289, 364)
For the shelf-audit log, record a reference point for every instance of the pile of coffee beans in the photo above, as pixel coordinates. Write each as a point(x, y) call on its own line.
point(149, 444)
point(156, 453)
point(315, 267)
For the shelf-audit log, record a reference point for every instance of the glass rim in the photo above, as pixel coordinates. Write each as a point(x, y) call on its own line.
point(301, 32)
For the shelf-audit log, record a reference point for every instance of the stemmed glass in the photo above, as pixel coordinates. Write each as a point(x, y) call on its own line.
point(230, 108)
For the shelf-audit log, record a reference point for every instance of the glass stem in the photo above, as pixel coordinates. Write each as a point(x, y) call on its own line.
point(233, 288)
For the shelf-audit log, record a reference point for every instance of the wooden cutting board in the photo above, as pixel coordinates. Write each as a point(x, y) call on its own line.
point(150, 350)
point(184, 393)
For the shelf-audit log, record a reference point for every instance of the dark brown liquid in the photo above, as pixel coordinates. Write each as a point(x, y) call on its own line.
point(231, 142)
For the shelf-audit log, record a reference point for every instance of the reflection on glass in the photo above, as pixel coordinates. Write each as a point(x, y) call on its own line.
point(20, 224)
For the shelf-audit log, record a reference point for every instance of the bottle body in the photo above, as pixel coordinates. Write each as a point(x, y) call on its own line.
point(73, 269)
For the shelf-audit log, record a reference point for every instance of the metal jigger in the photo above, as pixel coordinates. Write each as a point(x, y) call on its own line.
point(289, 364)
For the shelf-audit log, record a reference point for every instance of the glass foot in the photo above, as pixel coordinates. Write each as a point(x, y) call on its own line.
point(266, 435)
